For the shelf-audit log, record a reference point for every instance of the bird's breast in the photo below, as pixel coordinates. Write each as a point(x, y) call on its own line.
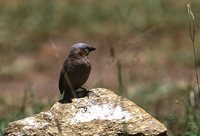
point(78, 72)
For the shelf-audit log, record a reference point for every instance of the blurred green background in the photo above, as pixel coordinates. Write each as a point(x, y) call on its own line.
point(144, 53)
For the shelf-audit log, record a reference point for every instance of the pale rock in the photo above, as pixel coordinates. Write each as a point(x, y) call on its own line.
point(102, 113)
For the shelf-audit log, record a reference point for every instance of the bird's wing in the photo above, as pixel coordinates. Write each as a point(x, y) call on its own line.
point(65, 69)
point(60, 85)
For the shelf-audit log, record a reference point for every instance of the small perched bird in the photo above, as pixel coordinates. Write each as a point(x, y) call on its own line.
point(75, 71)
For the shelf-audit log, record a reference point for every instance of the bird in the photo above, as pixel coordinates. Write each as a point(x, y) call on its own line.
point(75, 71)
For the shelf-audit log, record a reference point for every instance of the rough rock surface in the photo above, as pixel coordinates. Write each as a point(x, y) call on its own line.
point(103, 113)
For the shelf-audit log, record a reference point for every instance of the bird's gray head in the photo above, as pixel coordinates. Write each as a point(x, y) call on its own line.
point(81, 49)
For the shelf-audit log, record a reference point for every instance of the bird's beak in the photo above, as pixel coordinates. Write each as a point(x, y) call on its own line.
point(91, 49)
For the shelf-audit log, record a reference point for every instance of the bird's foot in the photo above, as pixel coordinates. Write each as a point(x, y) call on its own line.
point(89, 93)
point(82, 92)
point(64, 100)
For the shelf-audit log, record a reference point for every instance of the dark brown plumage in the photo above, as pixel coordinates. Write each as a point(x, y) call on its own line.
point(75, 71)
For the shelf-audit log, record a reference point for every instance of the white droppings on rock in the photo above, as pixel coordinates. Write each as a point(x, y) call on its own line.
point(101, 112)
point(18, 134)
point(49, 114)
point(31, 123)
